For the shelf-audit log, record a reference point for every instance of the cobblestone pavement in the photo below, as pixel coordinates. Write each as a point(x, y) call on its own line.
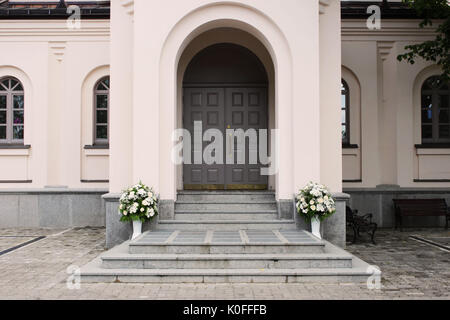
point(411, 270)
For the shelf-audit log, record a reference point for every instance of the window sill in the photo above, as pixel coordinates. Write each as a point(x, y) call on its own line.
point(349, 146)
point(14, 147)
point(96, 152)
point(432, 180)
point(15, 150)
point(433, 146)
point(97, 147)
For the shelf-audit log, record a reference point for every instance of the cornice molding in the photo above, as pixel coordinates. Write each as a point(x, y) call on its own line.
point(58, 49)
point(129, 6)
point(384, 49)
point(323, 4)
point(391, 30)
point(90, 29)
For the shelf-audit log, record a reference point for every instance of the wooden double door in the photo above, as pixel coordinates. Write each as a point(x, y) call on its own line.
point(223, 108)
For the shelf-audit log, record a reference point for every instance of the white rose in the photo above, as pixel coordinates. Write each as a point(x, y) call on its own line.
point(313, 208)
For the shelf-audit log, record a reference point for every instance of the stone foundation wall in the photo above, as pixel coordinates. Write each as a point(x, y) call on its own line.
point(51, 208)
point(378, 201)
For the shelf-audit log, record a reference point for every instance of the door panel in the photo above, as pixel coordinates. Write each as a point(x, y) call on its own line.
point(226, 108)
point(246, 109)
point(206, 105)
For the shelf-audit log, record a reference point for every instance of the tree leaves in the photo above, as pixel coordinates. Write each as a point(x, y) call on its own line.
point(437, 50)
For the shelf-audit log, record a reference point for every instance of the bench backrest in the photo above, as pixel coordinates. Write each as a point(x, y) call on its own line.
point(421, 207)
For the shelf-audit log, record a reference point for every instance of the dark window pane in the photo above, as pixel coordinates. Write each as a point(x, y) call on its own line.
point(2, 88)
point(101, 87)
point(2, 102)
point(427, 116)
point(102, 116)
point(18, 117)
point(444, 132)
point(102, 132)
point(2, 117)
point(13, 83)
point(344, 132)
point(443, 101)
point(6, 83)
point(2, 132)
point(427, 132)
point(106, 82)
point(18, 133)
point(443, 116)
point(102, 101)
point(18, 88)
point(18, 102)
point(427, 101)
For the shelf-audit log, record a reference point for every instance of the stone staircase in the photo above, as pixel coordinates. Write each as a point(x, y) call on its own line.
point(226, 210)
point(232, 236)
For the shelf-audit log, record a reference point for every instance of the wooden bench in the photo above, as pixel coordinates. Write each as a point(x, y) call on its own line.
point(420, 208)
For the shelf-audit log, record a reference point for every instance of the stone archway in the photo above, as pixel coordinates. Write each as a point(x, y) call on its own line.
point(225, 87)
point(262, 28)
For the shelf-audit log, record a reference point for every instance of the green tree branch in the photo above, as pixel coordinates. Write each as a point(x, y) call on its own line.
point(437, 50)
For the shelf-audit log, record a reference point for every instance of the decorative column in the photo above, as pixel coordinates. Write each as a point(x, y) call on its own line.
point(330, 116)
point(388, 115)
point(121, 118)
point(56, 87)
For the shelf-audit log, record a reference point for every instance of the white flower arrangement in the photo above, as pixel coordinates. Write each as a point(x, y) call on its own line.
point(315, 200)
point(138, 203)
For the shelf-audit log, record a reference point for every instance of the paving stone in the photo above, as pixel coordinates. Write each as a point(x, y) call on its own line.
point(411, 270)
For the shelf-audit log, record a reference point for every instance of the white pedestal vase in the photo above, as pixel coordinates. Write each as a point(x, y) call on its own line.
point(137, 229)
point(315, 227)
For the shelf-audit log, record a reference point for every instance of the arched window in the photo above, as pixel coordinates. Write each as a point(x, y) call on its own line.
point(435, 111)
point(345, 110)
point(101, 112)
point(12, 103)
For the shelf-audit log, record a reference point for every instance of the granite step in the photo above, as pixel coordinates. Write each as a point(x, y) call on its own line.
point(225, 261)
point(235, 206)
point(237, 224)
point(200, 215)
point(225, 196)
point(94, 274)
point(226, 242)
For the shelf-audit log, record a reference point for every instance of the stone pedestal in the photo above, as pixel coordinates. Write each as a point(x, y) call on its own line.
point(334, 228)
point(118, 232)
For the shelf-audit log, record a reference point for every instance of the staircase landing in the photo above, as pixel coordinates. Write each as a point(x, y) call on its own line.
point(225, 237)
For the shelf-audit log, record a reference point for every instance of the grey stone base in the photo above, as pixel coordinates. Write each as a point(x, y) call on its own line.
point(286, 209)
point(118, 232)
point(378, 201)
point(167, 209)
point(51, 208)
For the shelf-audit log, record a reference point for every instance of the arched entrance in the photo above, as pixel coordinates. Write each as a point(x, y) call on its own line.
point(225, 87)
